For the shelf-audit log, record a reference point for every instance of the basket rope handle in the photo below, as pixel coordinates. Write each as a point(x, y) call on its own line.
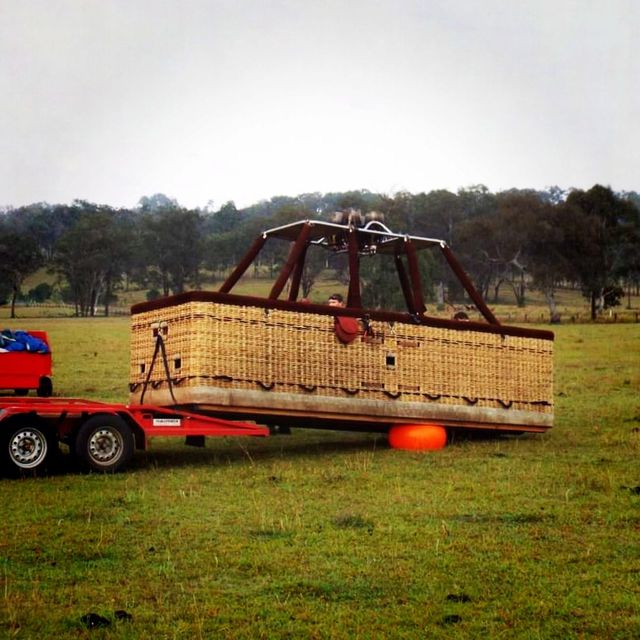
point(162, 349)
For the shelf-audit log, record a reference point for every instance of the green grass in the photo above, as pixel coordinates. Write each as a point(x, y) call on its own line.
point(90, 355)
point(334, 535)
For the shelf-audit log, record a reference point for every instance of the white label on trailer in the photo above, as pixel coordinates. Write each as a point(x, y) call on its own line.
point(167, 422)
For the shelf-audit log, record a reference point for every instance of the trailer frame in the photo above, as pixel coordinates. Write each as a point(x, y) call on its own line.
point(101, 436)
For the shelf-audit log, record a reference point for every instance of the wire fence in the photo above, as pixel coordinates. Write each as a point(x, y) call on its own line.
point(573, 317)
point(57, 310)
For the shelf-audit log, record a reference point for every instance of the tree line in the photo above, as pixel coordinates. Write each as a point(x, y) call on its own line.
point(515, 239)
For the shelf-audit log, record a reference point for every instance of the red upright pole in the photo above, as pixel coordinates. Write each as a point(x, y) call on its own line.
point(296, 250)
point(414, 272)
point(244, 264)
point(353, 297)
point(404, 283)
point(468, 285)
point(297, 275)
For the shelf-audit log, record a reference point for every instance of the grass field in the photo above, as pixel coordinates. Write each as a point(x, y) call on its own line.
point(571, 305)
point(334, 535)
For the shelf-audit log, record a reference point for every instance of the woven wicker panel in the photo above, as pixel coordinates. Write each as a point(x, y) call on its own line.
point(242, 347)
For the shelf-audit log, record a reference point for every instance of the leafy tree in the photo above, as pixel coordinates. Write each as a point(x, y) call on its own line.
point(595, 223)
point(399, 212)
point(496, 243)
point(477, 200)
point(553, 195)
point(267, 208)
point(548, 266)
point(223, 251)
point(174, 247)
point(43, 222)
point(152, 294)
point(19, 257)
point(314, 264)
point(40, 292)
point(363, 200)
point(314, 202)
point(475, 252)
point(381, 288)
point(225, 220)
point(518, 211)
point(512, 239)
point(5, 292)
point(91, 257)
point(157, 202)
point(630, 244)
point(275, 252)
point(438, 214)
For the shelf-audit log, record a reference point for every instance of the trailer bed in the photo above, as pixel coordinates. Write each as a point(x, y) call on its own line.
point(101, 435)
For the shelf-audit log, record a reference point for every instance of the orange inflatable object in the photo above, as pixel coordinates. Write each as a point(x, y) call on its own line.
point(418, 437)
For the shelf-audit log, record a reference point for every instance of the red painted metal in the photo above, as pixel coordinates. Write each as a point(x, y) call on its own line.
point(244, 264)
point(296, 251)
point(353, 297)
point(22, 370)
point(160, 421)
point(152, 421)
point(297, 275)
point(407, 291)
point(414, 273)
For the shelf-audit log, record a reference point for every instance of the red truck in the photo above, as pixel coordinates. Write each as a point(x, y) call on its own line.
point(22, 371)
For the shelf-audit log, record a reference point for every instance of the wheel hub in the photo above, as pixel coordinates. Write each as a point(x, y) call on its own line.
point(28, 448)
point(105, 445)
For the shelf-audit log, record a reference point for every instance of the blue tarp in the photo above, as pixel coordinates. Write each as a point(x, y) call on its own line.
point(21, 341)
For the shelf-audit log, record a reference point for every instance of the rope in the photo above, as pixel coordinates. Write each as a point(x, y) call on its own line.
point(158, 348)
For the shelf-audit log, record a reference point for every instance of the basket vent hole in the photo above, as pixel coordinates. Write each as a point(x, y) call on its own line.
point(177, 363)
point(142, 367)
point(390, 360)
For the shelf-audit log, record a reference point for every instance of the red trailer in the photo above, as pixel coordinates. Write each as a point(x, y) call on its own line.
point(230, 356)
point(21, 371)
point(101, 436)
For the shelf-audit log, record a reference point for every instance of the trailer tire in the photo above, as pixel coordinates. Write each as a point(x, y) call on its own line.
point(104, 443)
point(45, 388)
point(27, 447)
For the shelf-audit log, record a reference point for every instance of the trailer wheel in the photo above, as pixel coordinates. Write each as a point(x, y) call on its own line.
point(27, 447)
point(104, 443)
point(45, 388)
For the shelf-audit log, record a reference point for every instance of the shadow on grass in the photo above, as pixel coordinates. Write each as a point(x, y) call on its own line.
point(307, 443)
point(168, 453)
point(165, 453)
point(231, 451)
point(480, 435)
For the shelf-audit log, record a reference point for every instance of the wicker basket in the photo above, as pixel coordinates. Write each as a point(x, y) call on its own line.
point(232, 356)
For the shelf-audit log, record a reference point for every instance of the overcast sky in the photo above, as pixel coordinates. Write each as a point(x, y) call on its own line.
point(217, 100)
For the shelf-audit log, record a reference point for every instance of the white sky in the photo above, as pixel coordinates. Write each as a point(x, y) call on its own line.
point(112, 100)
